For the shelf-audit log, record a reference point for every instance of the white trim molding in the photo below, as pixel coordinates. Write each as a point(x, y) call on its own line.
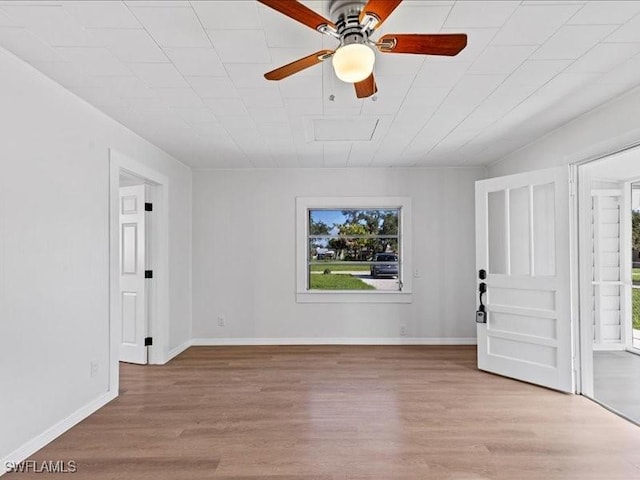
point(159, 326)
point(174, 352)
point(201, 342)
point(35, 444)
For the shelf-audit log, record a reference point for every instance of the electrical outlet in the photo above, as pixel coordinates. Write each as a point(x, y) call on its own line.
point(220, 321)
point(403, 330)
point(93, 368)
point(416, 273)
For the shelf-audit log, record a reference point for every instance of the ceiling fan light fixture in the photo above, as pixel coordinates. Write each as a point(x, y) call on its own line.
point(354, 62)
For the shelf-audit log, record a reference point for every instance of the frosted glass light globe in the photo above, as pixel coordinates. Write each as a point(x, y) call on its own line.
point(353, 63)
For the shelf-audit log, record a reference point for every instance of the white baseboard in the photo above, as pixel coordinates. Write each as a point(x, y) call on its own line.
point(174, 352)
point(334, 341)
point(32, 446)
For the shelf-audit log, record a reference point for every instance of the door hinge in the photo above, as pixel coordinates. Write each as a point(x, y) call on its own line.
point(572, 188)
point(148, 341)
point(148, 274)
point(148, 207)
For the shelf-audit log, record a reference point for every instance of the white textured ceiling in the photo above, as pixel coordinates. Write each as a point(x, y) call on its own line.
point(188, 76)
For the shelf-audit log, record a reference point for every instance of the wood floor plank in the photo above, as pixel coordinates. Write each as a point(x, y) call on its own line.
point(342, 413)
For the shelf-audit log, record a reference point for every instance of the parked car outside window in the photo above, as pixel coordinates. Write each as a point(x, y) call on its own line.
point(385, 265)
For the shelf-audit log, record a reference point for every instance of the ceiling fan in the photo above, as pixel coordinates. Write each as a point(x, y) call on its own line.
point(355, 22)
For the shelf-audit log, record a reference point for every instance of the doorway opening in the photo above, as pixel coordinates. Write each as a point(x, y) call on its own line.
point(609, 239)
point(139, 300)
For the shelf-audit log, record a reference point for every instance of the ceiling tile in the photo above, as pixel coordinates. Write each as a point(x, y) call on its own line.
point(336, 154)
point(276, 131)
point(178, 97)
point(95, 60)
point(227, 15)
point(248, 75)
point(240, 46)
point(173, 27)
point(469, 14)
point(384, 104)
point(560, 86)
point(236, 122)
point(101, 14)
point(226, 106)
point(361, 154)
point(210, 129)
point(398, 64)
point(282, 31)
point(411, 18)
point(604, 57)
point(471, 90)
point(533, 25)
point(130, 45)
point(298, 107)
point(6, 21)
point(262, 97)
point(27, 46)
point(626, 74)
point(605, 12)
point(300, 86)
point(124, 87)
point(268, 115)
point(50, 23)
point(572, 41)
point(158, 3)
point(97, 96)
point(337, 110)
point(440, 74)
point(629, 32)
point(537, 72)
point(391, 85)
point(196, 61)
point(423, 97)
point(496, 95)
point(501, 59)
point(66, 74)
point(213, 87)
point(528, 78)
point(195, 115)
point(158, 74)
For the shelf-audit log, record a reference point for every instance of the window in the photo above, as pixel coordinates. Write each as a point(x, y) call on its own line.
point(353, 249)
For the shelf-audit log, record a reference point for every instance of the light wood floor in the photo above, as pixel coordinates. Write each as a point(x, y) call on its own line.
point(338, 413)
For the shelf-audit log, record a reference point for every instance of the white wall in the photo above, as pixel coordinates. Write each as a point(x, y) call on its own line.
point(54, 271)
point(611, 126)
point(244, 254)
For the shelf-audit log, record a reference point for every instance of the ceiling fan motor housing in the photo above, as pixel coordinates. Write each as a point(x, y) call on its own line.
point(346, 16)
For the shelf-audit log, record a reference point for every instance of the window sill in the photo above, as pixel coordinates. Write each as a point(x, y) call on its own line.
point(353, 297)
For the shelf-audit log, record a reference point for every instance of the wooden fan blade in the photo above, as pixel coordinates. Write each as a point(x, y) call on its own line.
point(449, 44)
point(299, 12)
point(298, 65)
point(379, 9)
point(366, 87)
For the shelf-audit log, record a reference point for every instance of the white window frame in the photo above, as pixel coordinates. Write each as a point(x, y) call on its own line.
point(304, 295)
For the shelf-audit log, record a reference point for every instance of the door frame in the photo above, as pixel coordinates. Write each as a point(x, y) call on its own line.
point(583, 332)
point(159, 302)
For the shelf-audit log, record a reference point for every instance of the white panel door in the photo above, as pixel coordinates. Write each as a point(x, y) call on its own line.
point(133, 294)
point(522, 242)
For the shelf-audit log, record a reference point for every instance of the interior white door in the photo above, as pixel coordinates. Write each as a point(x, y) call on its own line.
point(133, 292)
point(523, 244)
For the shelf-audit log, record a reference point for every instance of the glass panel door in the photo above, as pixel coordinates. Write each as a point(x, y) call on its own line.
point(635, 258)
